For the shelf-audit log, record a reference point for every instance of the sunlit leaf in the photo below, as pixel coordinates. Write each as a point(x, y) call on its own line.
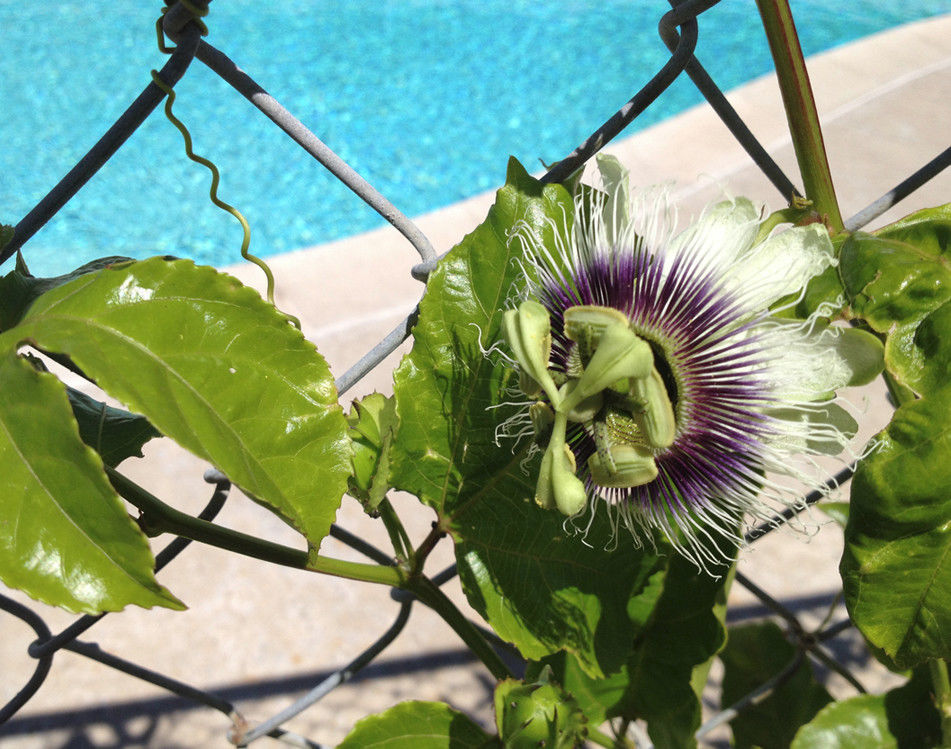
point(418, 725)
point(755, 653)
point(896, 566)
point(215, 368)
point(65, 536)
point(540, 585)
point(897, 278)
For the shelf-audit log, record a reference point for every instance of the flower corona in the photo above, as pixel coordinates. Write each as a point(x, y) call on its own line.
point(659, 380)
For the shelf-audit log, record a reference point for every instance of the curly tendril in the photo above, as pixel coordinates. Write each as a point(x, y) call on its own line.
point(213, 192)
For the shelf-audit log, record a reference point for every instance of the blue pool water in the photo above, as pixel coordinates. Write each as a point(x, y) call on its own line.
point(425, 98)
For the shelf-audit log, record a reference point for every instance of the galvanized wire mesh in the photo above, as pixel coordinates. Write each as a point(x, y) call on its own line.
point(679, 29)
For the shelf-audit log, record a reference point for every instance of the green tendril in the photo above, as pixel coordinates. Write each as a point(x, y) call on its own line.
point(213, 193)
point(196, 13)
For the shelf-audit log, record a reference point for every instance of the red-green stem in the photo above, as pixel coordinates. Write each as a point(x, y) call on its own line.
point(942, 697)
point(800, 109)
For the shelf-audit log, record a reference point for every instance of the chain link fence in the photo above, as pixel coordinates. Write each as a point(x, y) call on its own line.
point(679, 29)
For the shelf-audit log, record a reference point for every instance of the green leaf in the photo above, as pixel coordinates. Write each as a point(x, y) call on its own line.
point(922, 356)
point(896, 566)
point(896, 279)
point(754, 654)
point(838, 511)
point(19, 288)
point(215, 368)
point(417, 725)
point(540, 586)
point(65, 536)
point(904, 718)
point(663, 679)
point(685, 630)
point(373, 424)
point(114, 433)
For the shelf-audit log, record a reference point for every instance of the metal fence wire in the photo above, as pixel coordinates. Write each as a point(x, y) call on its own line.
point(679, 29)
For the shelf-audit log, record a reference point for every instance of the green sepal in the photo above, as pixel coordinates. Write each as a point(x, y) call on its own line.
point(617, 187)
point(821, 423)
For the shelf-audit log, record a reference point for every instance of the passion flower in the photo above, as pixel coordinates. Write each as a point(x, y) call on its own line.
point(661, 383)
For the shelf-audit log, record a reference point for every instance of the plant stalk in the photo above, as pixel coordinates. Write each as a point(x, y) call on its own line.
point(800, 108)
point(942, 697)
point(160, 517)
point(402, 546)
point(427, 592)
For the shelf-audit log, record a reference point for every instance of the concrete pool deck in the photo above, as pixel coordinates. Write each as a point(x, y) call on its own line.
point(262, 635)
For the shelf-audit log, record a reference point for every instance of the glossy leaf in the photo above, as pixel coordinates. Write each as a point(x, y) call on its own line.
point(903, 718)
point(896, 566)
point(417, 725)
point(897, 278)
point(540, 586)
point(19, 288)
point(215, 368)
point(65, 536)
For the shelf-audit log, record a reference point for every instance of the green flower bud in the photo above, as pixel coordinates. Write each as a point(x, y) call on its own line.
point(537, 714)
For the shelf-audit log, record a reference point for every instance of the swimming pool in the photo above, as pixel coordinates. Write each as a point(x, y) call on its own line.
point(425, 98)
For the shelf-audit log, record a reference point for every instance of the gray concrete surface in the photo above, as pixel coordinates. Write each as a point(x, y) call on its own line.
point(265, 634)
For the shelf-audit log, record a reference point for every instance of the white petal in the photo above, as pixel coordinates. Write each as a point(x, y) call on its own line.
point(724, 233)
point(781, 265)
point(804, 364)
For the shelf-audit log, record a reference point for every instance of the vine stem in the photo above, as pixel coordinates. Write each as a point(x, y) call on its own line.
point(427, 592)
point(800, 106)
point(158, 517)
point(942, 697)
